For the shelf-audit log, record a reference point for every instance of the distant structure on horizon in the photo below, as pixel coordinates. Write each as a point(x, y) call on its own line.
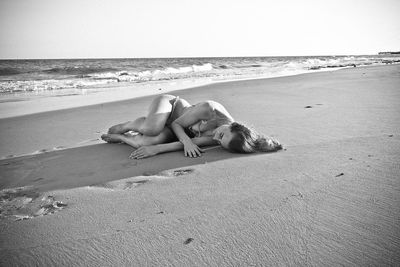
point(389, 53)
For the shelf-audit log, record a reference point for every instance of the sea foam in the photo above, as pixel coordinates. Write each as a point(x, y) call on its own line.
point(52, 75)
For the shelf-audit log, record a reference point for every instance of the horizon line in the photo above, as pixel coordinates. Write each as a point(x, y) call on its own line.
point(185, 57)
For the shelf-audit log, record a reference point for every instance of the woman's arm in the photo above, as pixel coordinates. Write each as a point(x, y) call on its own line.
point(148, 151)
point(203, 111)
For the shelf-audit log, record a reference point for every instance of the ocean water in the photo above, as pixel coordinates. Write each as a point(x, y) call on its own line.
point(58, 75)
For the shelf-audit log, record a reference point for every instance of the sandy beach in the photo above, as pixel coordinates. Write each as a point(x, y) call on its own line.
point(332, 197)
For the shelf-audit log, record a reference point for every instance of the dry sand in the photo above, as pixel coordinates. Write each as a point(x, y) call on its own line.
point(331, 198)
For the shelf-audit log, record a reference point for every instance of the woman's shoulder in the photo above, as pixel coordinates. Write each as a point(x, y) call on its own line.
point(219, 111)
point(207, 107)
point(211, 105)
point(213, 110)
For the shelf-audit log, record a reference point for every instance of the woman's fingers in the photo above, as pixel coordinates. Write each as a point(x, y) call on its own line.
point(193, 151)
point(136, 154)
point(187, 153)
point(199, 151)
point(196, 151)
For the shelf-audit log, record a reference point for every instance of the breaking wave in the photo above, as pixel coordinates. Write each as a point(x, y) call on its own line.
point(39, 75)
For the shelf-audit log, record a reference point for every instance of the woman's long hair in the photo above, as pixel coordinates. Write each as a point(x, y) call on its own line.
point(247, 140)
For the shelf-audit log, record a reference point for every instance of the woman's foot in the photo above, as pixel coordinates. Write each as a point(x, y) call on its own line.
point(112, 138)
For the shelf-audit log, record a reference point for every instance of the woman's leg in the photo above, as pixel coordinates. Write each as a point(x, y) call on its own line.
point(127, 126)
point(152, 125)
point(166, 136)
point(157, 116)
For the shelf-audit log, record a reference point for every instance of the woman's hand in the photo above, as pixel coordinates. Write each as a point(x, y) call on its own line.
point(192, 150)
point(144, 152)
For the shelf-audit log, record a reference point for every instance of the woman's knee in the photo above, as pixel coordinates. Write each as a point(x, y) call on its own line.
point(159, 99)
point(150, 130)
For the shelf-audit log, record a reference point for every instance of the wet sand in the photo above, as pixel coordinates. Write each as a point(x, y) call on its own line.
point(331, 198)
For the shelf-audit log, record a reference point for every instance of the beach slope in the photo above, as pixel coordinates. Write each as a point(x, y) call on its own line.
point(332, 197)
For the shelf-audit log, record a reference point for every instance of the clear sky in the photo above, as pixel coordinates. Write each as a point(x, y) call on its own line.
point(196, 28)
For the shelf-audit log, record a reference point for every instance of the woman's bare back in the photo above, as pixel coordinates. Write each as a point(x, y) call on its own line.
point(219, 116)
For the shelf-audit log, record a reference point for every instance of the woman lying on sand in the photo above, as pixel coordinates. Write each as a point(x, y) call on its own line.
point(173, 124)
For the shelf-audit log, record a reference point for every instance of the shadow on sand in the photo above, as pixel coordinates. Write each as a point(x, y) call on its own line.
point(91, 165)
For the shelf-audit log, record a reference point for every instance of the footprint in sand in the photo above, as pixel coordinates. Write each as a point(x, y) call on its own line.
point(123, 184)
point(182, 172)
point(59, 147)
point(133, 182)
point(23, 203)
point(174, 173)
point(41, 151)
